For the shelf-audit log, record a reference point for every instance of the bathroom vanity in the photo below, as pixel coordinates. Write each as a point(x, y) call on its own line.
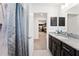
point(60, 45)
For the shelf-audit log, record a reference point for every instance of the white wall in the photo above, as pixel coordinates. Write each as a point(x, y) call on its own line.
point(62, 13)
point(52, 10)
point(74, 9)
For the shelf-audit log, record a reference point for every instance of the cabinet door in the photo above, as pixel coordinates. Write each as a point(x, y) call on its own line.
point(67, 50)
point(58, 50)
point(55, 48)
point(50, 43)
point(65, 53)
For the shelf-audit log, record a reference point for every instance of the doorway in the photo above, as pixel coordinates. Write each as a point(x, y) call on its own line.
point(40, 42)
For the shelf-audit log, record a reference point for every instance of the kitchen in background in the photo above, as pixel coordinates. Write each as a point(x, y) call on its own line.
point(41, 32)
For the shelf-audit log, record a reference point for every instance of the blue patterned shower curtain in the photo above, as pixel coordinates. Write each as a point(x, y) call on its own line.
point(9, 28)
point(20, 31)
point(14, 29)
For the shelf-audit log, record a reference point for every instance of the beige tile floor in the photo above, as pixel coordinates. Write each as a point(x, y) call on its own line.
point(40, 46)
point(41, 53)
point(41, 43)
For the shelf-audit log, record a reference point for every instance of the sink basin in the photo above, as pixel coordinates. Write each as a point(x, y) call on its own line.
point(62, 34)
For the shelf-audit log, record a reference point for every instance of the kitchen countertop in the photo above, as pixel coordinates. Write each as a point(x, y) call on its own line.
point(74, 43)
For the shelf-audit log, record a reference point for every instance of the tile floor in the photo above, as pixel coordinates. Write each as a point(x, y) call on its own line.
point(41, 43)
point(40, 46)
point(41, 53)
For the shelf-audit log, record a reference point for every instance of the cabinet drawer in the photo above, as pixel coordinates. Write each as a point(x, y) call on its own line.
point(69, 49)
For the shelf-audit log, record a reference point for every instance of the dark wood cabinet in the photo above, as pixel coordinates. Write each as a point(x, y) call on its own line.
point(50, 43)
point(65, 53)
point(59, 48)
point(67, 50)
point(54, 46)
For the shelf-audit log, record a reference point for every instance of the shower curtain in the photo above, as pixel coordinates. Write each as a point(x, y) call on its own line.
point(14, 29)
point(9, 28)
point(3, 41)
point(20, 31)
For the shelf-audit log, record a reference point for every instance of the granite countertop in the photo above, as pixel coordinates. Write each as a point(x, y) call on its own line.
point(74, 43)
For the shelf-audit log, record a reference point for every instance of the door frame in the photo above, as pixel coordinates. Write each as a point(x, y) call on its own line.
point(46, 27)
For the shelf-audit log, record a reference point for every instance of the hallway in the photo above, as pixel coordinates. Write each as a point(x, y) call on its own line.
point(41, 43)
point(40, 46)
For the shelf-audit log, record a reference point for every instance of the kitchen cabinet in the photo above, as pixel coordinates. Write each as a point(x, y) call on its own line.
point(59, 48)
